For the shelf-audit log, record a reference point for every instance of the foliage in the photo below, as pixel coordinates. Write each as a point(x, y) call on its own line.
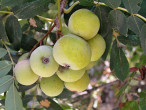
point(123, 26)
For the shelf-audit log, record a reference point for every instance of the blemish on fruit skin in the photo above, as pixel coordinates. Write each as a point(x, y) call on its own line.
point(45, 60)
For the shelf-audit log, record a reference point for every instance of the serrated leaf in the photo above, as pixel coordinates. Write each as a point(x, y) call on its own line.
point(130, 105)
point(143, 8)
point(142, 100)
point(5, 67)
point(143, 38)
point(5, 83)
point(2, 31)
point(132, 40)
point(112, 3)
point(118, 21)
point(11, 3)
point(135, 24)
point(118, 62)
point(27, 42)
point(35, 8)
point(53, 104)
point(3, 52)
point(86, 2)
point(14, 31)
point(105, 27)
point(132, 5)
point(13, 100)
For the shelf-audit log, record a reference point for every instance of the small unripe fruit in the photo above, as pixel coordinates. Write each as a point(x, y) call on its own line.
point(42, 61)
point(68, 75)
point(72, 51)
point(24, 73)
point(79, 85)
point(23, 57)
point(97, 45)
point(84, 23)
point(52, 86)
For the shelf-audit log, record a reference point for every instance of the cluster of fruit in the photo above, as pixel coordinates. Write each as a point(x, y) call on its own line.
point(66, 63)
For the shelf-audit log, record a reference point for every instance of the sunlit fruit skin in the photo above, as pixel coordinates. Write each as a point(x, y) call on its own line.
point(72, 51)
point(90, 65)
point(68, 75)
point(79, 85)
point(23, 57)
point(38, 66)
point(52, 86)
point(98, 46)
point(24, 73)
point(84, 23)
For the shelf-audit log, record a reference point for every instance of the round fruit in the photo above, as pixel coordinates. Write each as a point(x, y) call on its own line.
point(79, 85)
point(52, 86)
point(97, 45)
point(24, 73)
point(42, 61)
point(68, 75)
point(23, 57)
point(72, 51)
point(90, 65)
point(84, 23)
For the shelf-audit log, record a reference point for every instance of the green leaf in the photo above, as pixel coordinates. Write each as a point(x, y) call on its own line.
point(105, 27)
point(132, 5)
point(122, 89)
point(118, 62)
point(112, 3)
point(135, 24)
point(26, 99)
point(3, 52)
point(53, 104)
point(142, 100)
point(5, 67)
point(27, 42)
point(118, 21)
point(132, 40)
point(143, 38)
point(14, 32)
point(86, 2)
point(11, 3)
point(5, 83)
point(13, 100)
point(35, 8)
point(2, 31)
point(143, 8)
point(130, 105)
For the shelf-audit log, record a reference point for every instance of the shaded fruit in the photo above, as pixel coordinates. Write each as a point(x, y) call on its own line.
point(84, 23)
point(79, 85)
point(90, 65)
point(97, 45)
point(42, 61)
point(52, 86)
point(72, 51)
point(23, 57)
point(68, 75)
point(24, 73)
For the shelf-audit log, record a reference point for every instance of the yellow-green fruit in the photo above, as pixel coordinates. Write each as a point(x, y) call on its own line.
point(79, 85)
point(42, 61)
point(23, 57)
point(68, 75)
point(24, 73)
point(52, 86)
point(90, 65)
point(84, 23)
point(97, 45)
point(65, 30)
point(72, 51)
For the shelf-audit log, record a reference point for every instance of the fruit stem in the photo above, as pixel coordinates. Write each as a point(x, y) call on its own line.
point(59, 16)
point(70, 8)
point(120, 8)
point(7, 12)
point(42, 39)
point(46, 19)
